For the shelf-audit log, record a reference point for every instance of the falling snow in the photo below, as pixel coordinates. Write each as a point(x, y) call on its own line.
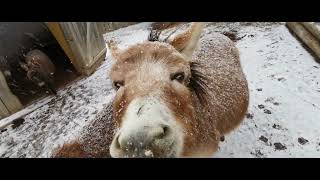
point(282, 76)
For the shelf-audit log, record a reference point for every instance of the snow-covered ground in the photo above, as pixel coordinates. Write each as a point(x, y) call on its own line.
point(284, 99)
point(284, 83)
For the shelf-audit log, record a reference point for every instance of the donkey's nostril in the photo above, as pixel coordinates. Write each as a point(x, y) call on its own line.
point(166, 130)
point(160, 132)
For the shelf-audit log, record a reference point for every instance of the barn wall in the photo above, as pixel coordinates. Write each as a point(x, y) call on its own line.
point(83, 41)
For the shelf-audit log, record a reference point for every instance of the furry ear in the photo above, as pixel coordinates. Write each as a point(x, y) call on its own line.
point(114, 50)
point(186, 42)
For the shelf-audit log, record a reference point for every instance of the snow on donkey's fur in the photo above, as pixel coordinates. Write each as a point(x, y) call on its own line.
point(174, 99)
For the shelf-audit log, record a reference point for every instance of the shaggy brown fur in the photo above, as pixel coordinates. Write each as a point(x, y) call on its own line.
point(71, 150)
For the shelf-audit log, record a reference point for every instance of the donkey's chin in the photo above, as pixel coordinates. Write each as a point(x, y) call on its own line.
point(145, 153)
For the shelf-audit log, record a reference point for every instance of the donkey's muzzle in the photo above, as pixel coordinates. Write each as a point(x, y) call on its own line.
point(147, 141)
point(148, 129)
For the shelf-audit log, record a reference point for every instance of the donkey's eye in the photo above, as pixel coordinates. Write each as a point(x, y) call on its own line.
point(118, 84)
point(178, 76)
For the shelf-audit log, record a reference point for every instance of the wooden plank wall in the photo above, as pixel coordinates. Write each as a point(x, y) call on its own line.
point(83, 41)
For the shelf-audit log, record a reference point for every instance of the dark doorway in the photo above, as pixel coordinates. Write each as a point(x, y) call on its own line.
point(17, 39)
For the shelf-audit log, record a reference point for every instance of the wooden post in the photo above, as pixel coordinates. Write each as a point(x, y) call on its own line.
point(313, 28)
point(3, 110)
point(306, 36)
point(9, 103)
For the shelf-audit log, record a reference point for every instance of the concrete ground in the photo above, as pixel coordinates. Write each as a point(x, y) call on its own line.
point(283, 119)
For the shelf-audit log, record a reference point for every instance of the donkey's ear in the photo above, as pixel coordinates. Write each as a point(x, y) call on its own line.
point(187, 41)
point(114, 50)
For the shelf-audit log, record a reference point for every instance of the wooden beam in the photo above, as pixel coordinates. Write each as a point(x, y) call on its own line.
point(313, 28)
point(3, 110)
point(20, 114)
point(305, 36)
point(9, 103)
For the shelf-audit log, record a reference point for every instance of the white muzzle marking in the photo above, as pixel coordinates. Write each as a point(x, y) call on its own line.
point(147, 124)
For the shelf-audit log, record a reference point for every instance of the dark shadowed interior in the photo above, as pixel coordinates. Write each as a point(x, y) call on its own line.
point(17, 39)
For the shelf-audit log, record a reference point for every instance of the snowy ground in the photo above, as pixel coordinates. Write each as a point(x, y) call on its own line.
point(284, 99)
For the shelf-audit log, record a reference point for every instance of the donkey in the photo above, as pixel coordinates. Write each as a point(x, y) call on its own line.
point(40, 69)
point(173, 99)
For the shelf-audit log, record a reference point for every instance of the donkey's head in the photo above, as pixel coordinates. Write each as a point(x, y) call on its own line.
point(153, 108)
